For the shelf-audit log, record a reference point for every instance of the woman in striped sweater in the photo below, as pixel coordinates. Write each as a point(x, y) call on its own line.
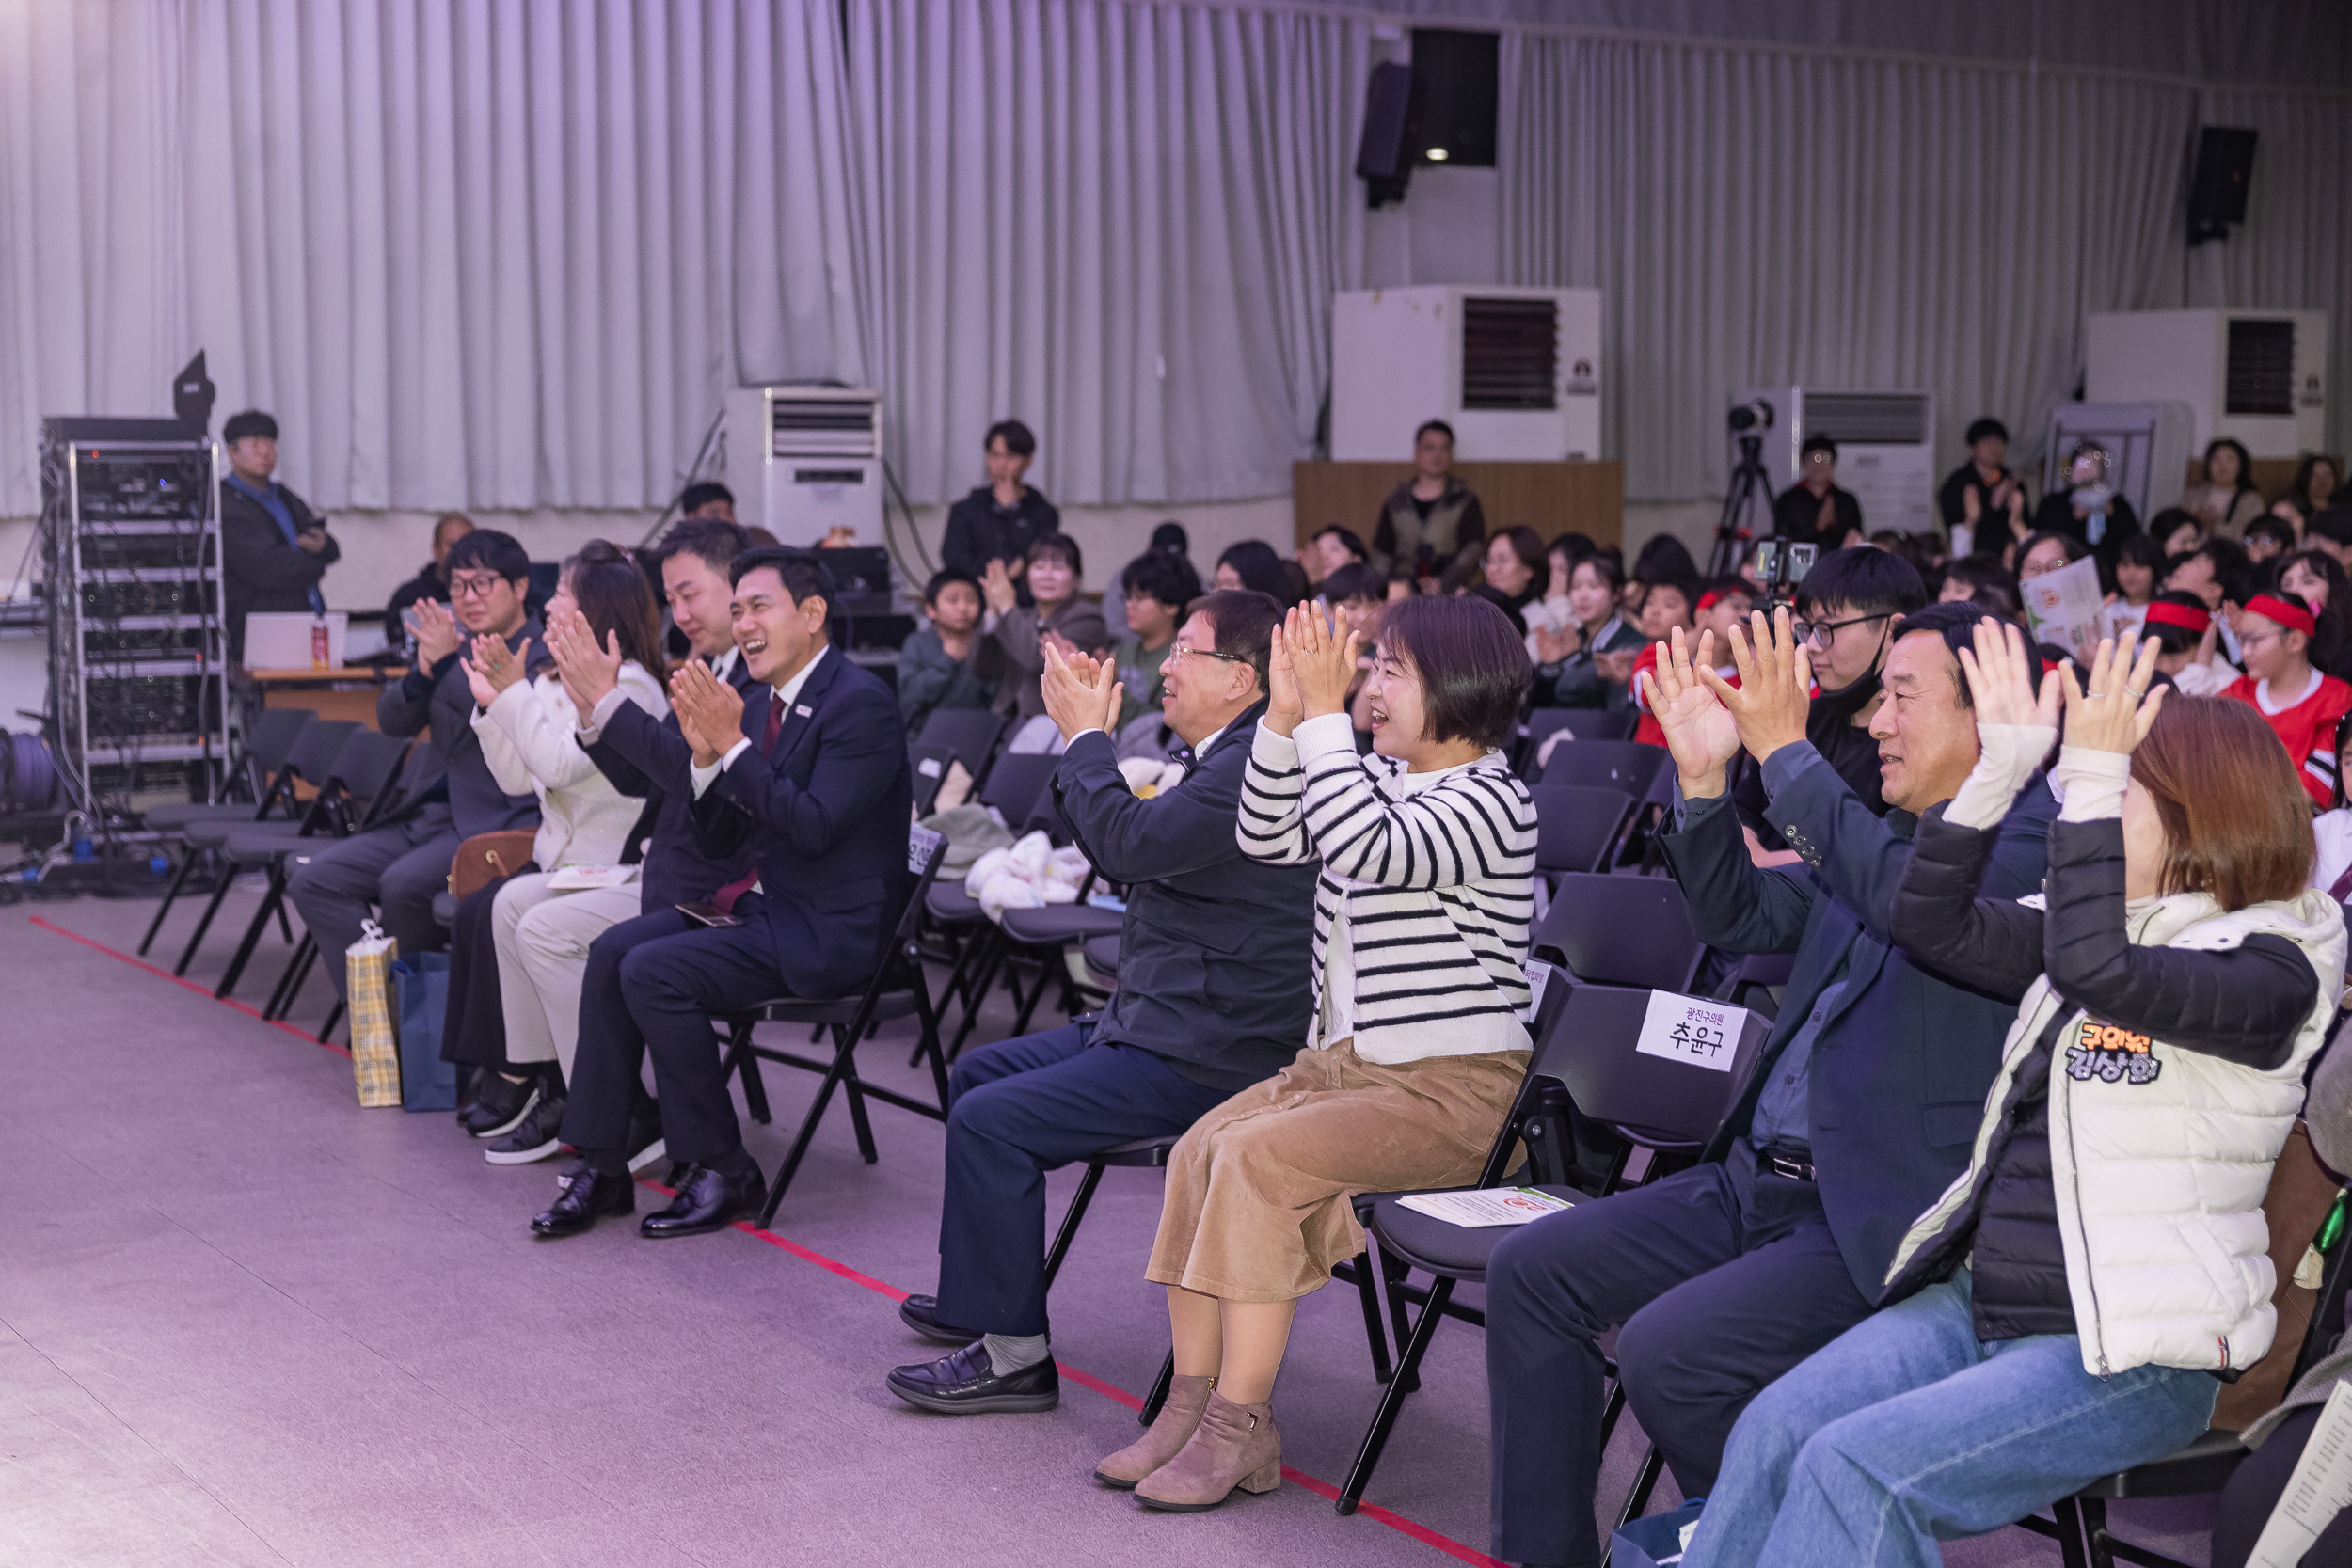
point(1417, 1046)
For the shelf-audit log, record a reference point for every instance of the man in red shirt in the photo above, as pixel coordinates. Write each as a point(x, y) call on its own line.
point(2302, 705)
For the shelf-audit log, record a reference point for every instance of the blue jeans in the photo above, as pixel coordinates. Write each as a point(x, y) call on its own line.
point(1906, 1429)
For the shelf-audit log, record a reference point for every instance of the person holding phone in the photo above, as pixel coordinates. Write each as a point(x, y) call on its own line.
point(274, 549)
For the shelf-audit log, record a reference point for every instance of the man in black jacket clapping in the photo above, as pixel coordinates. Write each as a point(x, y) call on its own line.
point(1213, 963)
point(1862, 1106)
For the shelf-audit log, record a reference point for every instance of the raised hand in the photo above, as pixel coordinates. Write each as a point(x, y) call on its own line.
point(437, 632)
point(484, 691)
point(705, 754)
point(1284, 706)
point(499, 663)
point(590, 672)
point(1700, 731)
point(1081, 693)
point(2115, 713)
point(1774, 696)
point(1322, 661)
point(714, 708)
point(997, 589)
point(2000, 674)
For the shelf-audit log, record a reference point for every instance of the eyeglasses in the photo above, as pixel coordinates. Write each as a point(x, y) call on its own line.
point(1820, 634)
point(474, 586)
point(1180, 651)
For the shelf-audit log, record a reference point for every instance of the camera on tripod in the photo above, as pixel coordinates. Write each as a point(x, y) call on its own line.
point(1751, 418)
point(1750, 487)
point(1779, 565)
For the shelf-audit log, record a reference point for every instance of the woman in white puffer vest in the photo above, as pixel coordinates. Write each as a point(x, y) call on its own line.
point(2065, 1309)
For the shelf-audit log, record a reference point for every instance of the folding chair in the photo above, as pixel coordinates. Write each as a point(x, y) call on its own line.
point(895, 989)
point(1015, 787)
point(357, 793)
point(1622, 931)
point(308, 753)
point(971, 733)
point(1587, 1051)
point(1621, 765)
point(1585, 723)
point(1578, 826)
point(930, 764)
point(261, 757)
point(311, 760)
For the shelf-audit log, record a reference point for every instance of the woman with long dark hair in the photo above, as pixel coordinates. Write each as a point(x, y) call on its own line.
point(2224, 498)
point(2060, 1311)
point(498, 1020)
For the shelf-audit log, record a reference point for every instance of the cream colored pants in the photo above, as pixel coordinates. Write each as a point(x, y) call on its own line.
point(543, 939)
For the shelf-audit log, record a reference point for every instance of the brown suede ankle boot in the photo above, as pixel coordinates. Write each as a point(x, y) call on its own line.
point(1171, 1429)
point(1237, 1445)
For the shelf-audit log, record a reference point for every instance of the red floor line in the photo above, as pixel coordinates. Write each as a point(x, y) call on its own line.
point(185, 984)
point(1111, 1391)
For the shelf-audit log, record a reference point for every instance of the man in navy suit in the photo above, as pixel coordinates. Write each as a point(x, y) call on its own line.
point(1861, 1108)
point(1214, 956)
point(810, 770)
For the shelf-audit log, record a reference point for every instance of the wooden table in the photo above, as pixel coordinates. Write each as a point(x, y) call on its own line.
point(346, 692)
point(1550, 497)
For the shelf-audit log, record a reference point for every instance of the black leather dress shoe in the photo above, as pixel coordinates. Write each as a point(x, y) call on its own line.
point(921, 1314)
point(706, 1200)
point(592, 1196)
point(965, 1384)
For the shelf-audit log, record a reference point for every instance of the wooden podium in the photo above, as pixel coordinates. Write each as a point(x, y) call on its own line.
point(1550, 497)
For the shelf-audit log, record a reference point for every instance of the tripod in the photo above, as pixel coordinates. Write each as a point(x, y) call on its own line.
point(1749, 484)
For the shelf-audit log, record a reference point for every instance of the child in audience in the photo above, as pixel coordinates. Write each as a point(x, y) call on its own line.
point(2267, 538)
point(1598, 657)
point(1353, 599)
point(1982, 579)
point(2136, 563)
point(2177, 528)
point(2185, 634)
point(2331, 831)
point(2060, 1311)
point(1719, 606)
point(1153, 591)
point(2302, 705)
point(1417, 1047)
point(938, 662)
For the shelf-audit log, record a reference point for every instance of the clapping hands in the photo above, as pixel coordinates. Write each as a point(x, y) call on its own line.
point(1309, 670)
point(589, 672)
point(709, 711)
point(2115, 713)
point(1082, 692)
point(438, 634)
point(491, 670)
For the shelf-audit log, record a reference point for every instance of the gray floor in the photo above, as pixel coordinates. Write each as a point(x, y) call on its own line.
point(244, 1321)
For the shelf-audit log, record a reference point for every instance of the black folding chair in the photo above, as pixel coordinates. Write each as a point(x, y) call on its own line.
point(971, 733)
point(895, 989)
point(1577, 828)
point(311, 745)
point(311, 760)
point(930, 765)
point(1587, 1049)
point(1015, 787)
point(1622, 931)
point(358, 794)
point(1621, 765)
point(1585, 723)
point(260, 757)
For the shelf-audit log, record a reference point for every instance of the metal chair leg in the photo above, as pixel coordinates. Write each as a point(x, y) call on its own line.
point(179, 880)
point(1376, 1335)
point(334, 1016)
point(741, 1059)
point(204, 921)
point(270, 902)
point(1158, 1396)
point(800, 1141)
point(1392, 1398)
point(2073, 1551)
point(1068, 1231)
point(281, 996)
point(852, 1089)
point(1392, 1276)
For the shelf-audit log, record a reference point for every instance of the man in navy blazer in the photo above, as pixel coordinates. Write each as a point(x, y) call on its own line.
point(1860, 1109)
point(1214, 958)
point(810, 771)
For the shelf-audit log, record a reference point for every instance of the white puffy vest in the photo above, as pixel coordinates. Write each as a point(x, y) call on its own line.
point(2161, 1156)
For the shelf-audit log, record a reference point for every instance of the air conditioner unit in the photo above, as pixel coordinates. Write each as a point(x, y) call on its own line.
point(2260, 376)
point(1515, 371)
point(2147, 446)
point(1886, 447)
point(805, 460)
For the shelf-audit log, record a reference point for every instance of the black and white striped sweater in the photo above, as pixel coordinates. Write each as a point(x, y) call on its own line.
point(1435, 884)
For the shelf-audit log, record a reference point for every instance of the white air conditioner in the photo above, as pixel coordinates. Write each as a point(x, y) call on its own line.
point(2260, 376)
point(2147, 445)
point(1515, 371)
point(805, 460)
point(1886, 447)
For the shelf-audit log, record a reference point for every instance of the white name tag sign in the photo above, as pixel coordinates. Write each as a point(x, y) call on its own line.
point(1691, 1030)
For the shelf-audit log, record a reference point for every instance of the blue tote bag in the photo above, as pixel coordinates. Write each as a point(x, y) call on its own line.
point(420, 999)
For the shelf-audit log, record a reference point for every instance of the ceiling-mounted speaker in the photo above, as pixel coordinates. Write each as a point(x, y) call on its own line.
point(1385, 151)
point(2216, 191)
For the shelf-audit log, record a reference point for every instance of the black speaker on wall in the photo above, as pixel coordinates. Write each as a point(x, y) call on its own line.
point(1455, 76)
point(1385, 151)
point(2216, 191)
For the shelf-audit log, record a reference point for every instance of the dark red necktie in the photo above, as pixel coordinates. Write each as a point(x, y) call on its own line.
point(725, 897)
point(2342, 890)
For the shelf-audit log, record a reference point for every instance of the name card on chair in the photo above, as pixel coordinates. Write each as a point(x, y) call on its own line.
point(1693, 1030)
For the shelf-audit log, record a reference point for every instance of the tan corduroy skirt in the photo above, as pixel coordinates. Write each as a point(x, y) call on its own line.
point(1257, 1192)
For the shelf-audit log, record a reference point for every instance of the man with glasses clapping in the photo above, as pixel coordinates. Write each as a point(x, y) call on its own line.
point(446, 791)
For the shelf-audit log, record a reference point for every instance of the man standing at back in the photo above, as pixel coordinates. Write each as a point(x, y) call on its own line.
point(273, 548)
point(1214, 958)
point(1862, 1106)
point(809, 770)
point(447, 792)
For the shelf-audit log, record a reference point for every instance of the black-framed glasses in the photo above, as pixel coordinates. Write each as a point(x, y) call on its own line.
point(474, 587)
point(1820, 634)
point(1180, 652)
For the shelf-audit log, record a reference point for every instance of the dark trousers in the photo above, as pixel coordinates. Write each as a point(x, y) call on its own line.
point(651, 987)
point(397, 869)
point(1723, 1279)
point(1021, 1108)
point(2253, 1490)
point(473, 1031)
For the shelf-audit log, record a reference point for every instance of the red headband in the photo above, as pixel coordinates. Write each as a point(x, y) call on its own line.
point(2285, 613)
point(2163, 614)
point(1709, 599)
